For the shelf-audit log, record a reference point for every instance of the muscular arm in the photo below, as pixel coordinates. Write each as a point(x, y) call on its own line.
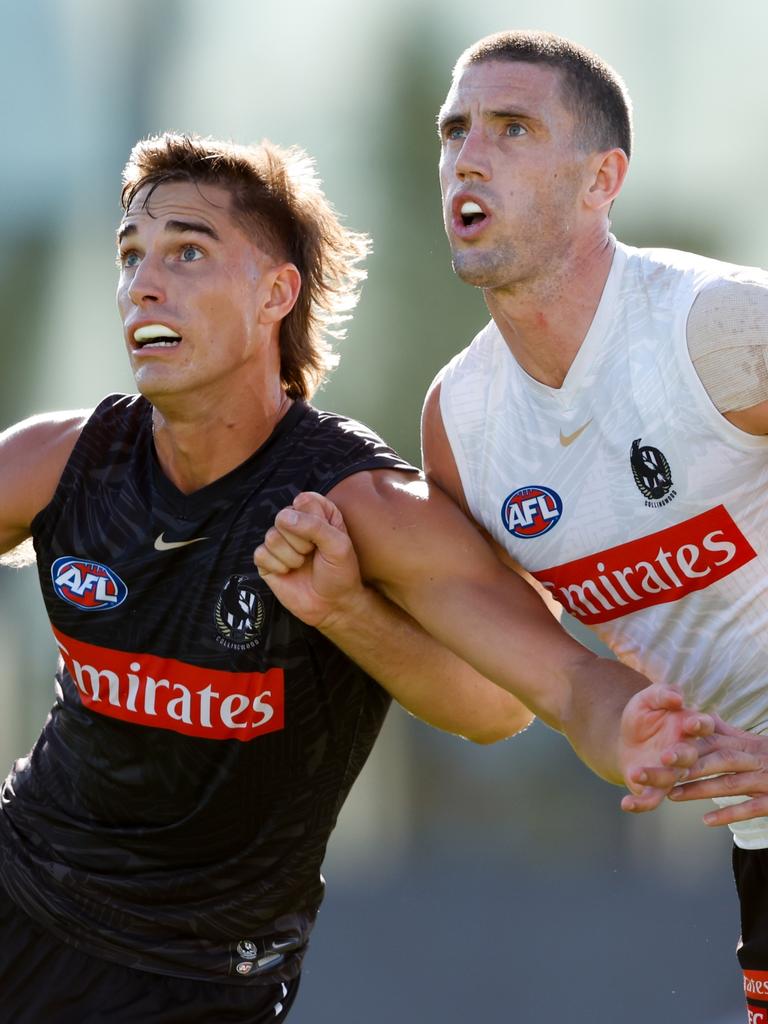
point(426, 678)
point(417, 548)
point(32, 457)
point(306, 558)
point(423, 676)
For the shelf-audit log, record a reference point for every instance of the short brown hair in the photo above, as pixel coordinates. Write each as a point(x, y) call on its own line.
point(276, 196)
point(591, 89)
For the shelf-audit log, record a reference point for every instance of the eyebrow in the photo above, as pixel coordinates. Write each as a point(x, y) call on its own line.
point(447, 118)
point(460, 117)
point(173, 227)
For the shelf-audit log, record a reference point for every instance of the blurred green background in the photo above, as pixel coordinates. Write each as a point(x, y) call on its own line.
point(465, 883)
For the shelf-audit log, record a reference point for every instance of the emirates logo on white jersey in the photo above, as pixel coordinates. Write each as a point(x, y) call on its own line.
point(660, 567)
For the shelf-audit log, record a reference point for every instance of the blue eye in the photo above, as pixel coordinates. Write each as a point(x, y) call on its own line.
point(128, 259)
point(190, 253)
point(453, 132)
point(515, 130)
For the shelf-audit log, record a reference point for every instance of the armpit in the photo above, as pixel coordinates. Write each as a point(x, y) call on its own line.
point(20, 556)
point(727, 335)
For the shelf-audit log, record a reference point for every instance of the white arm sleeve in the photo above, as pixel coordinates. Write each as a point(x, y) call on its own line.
point(727, 336)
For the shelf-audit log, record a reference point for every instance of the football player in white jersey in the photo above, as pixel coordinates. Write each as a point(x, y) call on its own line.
point(608, 429)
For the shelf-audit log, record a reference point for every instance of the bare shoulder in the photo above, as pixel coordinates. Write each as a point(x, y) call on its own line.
point(43, 438)
point(47, 428)
point(381, 495)
point(33, 454)
point(404, 528)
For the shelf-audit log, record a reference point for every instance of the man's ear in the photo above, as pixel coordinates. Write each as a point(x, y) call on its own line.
point(608, 171)
point(284, 290)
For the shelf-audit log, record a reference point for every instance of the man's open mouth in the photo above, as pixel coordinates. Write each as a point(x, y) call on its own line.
point(471, 213)
point(155, 336)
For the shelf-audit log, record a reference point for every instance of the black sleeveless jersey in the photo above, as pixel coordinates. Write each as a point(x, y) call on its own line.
point(175, 810)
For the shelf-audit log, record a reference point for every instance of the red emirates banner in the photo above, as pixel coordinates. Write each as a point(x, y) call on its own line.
point(654, 569)
point(168, 694)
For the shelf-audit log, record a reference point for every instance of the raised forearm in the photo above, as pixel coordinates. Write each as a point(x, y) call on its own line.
point(599, 690)
point(485, 614)
point(422, 675)
point(508, 635)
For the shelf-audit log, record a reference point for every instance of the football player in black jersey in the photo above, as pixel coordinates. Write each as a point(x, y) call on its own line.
point(160, 847)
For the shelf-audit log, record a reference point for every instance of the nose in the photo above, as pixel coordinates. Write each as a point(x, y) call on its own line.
point(473, 160)
point(146, 285)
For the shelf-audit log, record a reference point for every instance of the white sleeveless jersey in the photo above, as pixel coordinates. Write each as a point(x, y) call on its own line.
point(625, 492)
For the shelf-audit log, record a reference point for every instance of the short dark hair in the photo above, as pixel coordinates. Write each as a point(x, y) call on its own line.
point(277, 198)
point(591, 89)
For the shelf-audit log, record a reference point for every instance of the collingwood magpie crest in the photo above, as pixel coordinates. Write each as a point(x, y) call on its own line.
point(652, 474)
point(239, 614)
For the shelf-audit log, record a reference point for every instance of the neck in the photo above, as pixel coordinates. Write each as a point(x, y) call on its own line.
point(544, 320)
point(197, 446)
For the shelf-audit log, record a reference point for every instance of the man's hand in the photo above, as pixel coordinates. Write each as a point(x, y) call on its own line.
point(739, 763)
point(308, 561)
point(656, 726)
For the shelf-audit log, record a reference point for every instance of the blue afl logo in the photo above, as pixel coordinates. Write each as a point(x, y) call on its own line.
point(90, 586)
point(531, 511)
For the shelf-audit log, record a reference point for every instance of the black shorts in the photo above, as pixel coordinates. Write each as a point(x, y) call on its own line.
point(45, 980)
point(750, 869)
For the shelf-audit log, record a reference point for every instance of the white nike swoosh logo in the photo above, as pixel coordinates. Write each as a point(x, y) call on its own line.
point(169, 545)
point(566, 439)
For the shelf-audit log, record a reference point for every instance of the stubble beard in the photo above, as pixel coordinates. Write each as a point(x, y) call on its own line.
point(486, 268)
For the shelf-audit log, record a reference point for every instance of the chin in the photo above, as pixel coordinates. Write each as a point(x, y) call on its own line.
point(494, 269)
point(476, 272)
point(152, 386)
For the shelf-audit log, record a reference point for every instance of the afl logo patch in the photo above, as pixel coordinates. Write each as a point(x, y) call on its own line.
point(90, 586)
point(531, 511)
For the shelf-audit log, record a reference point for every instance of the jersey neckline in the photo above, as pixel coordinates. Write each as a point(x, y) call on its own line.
point(593, 339)
point(205, 495)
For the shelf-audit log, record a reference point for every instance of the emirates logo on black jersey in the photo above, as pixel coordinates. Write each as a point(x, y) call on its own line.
point(652, 474)
point(239, 614)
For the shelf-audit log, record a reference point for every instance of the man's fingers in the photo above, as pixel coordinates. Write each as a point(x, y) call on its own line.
point(756, 808)
point(267, 563)
point(318, 505)
point(724, 729)
point(315, 530)
point(682, 755)
point(663, 698)
point(656, 777)
point(698, 724)
point(724, 761)
point(741, 784)
point(647, 799)
point(287, 550)
point(715, 742)
point(667, 698)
